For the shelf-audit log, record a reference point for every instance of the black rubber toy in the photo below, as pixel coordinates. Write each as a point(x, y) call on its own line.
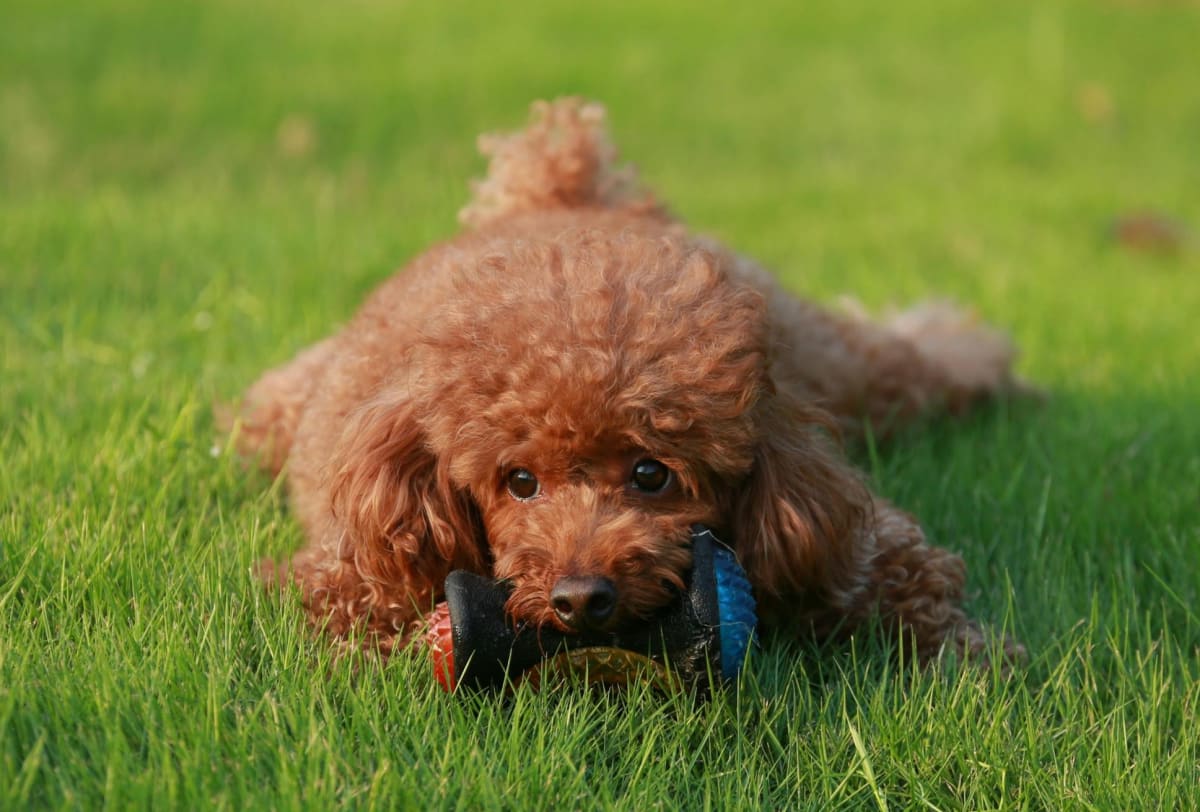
point(704, 633)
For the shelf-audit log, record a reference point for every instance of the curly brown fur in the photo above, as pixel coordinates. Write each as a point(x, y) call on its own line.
point(574, 331)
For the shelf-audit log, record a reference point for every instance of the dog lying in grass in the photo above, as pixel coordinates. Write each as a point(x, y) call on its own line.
point(558, 394)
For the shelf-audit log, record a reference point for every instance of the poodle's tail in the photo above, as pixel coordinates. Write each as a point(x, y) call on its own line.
point(563, 159)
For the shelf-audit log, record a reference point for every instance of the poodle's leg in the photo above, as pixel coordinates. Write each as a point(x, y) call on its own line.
point(273, 406)
point(929, 359)
point(933, 357)
point(916, 590)
point(947, 357)
point(344, 604)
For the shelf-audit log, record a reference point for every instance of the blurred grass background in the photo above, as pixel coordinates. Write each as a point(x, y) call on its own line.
point(190, 192)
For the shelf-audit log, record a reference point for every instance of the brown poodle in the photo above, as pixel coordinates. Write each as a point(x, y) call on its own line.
point(558, 394)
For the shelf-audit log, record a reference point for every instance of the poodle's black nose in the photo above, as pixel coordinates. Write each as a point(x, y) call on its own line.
point(584, 602)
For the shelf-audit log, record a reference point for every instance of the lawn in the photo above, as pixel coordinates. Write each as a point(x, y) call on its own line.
point(190, 192)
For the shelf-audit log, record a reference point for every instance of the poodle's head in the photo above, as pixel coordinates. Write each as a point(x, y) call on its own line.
point(577, 428)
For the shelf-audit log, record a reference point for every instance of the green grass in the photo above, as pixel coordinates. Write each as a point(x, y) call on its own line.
point(161, 243)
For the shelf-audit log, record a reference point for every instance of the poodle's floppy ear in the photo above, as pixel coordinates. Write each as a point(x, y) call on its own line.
point(796, 516)
point(404, 519)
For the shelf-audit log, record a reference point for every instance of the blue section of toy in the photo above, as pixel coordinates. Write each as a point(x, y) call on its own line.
point(737, 610)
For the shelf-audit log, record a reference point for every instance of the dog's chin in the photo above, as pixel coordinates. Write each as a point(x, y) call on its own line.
point(611, 625)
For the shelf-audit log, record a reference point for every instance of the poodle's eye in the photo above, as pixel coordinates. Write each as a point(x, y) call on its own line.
point(522, 484)
point(651, 476)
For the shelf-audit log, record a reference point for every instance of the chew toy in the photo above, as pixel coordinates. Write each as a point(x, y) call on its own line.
point(700, 638)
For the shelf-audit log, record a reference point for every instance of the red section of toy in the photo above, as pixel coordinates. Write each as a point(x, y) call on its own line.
point(439, 639)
